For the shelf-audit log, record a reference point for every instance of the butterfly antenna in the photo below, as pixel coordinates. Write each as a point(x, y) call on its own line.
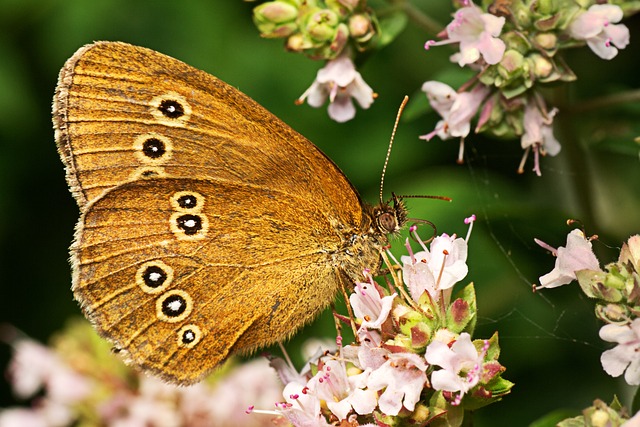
point(393, 134)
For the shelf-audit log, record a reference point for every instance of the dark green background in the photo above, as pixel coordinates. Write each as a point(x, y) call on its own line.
point(549, 340)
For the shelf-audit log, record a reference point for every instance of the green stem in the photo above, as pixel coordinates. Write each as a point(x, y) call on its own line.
point(576, 155)
point(605, 101)
point(424, 21)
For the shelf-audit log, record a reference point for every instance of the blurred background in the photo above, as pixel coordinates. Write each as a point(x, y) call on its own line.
point(549, 340)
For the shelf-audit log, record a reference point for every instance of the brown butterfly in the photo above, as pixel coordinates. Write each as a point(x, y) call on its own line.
point(208, 226)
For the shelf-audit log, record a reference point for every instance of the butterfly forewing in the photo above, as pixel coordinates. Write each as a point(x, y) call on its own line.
point(123, 112)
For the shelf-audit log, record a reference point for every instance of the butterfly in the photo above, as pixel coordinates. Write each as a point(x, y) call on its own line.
point(207, 227)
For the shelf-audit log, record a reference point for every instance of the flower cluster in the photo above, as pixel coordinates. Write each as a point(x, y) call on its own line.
point(616, 290)
point(601, 414)
point(513, 47)
point(414, 359)
point(321, 29)
point(79, 381)
point(330, 30)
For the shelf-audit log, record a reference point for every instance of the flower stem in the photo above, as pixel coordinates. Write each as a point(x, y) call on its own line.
point(576, 155)
point(605, 101)
point(421, 19)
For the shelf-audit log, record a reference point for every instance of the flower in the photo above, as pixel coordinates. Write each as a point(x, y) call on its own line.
point(461, 365)
point(625, 357)
point(301, 408)
point(437, 268)
point(597, 27)
point(402, 377)
point(538, 133)
point(369, 305)
point(577, 255)
point(456, 110)
point(369, 354)
point(477, 34)
point(84, 384)
point(341, 392)
point(34, 366)
point(339, 81)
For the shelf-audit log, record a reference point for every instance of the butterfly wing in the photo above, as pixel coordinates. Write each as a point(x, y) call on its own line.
point(208, 226)
point(122, 112)
point(178, 273)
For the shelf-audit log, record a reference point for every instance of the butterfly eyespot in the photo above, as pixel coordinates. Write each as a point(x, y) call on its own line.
point(187, 201)
point(171, 109)
point(189, 336)
point(147, 172)
point(189, 226)
point(154, 277)
point(152, 148)
point(174, 306)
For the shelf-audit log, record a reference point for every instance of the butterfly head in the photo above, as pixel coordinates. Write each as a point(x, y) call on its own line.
point(391, 216)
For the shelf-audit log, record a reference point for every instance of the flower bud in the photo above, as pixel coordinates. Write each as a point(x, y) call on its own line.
point(275, 19)
point(361, 28)
point(297, 43)
point(541, 66)
point(321, 25)
point(612, 313)
point(342, 7)
point(547, 41)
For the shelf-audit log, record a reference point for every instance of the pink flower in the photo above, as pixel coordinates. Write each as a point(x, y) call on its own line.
point(435, 269)
point(34, 366)
point(456, 110)
point(477, 34)
point(625, 357)
point(538, 133)
point(461, 365)
point(577, 255)
point(339, 81)
point(369, 354)
point(596, 26)
point(14, 417)
point(370, 306)
point(301, 408)
point(402, 377)
point(343, 393)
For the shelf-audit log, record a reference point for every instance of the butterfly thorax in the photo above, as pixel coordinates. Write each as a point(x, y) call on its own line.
point(361, 247)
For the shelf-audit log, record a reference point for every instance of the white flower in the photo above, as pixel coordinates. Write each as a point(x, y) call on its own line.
point(437, 268)
point(577, 256)
point(370, 306)
point(341, 392)
point(34, 366)
point(538, 130)
point(477, 34)
point(461, 365)
point(538, 133)
point(597, 27)
point(339, 81)
point(368, 354)
point(301, 408)
point(625, 357)
point(402, 377)
point(456, 109)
